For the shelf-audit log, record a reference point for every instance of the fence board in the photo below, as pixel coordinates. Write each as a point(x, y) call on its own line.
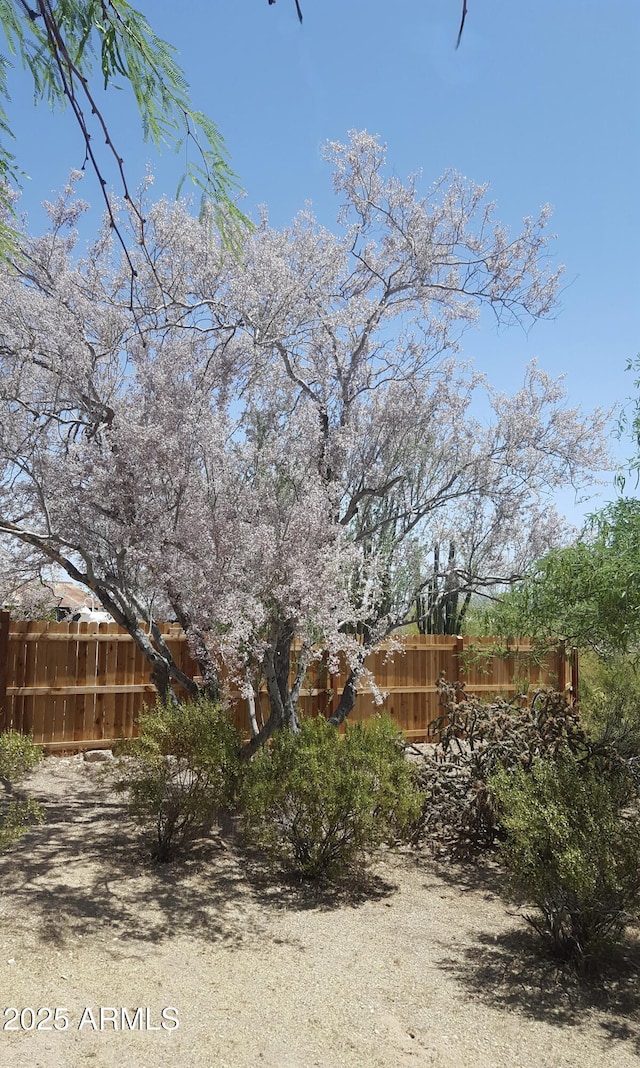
point(86, 656)
point(79, 684)
point(44, 675)
point(128, 699)
point(4, 668)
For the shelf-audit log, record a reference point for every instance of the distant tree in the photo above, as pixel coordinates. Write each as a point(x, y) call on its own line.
point(268, 449)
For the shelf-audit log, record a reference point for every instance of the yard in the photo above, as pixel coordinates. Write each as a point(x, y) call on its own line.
point(427, 967)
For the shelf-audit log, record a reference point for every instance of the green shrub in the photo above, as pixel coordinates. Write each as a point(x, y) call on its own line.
point(572, 851)
point(321, 803)
point(181, 772)
point(16, 818)
point(18, 755)
point(610, 701)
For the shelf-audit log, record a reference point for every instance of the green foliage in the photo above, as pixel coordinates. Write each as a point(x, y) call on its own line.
point(629, 423)
point(16, 818)
point(181, 772)
point(59, 45)
point(321, 803)
point(18, 755)
point(477, 739)
point(610, 701)
point(571, 852)
point(588, 593)
point(480, 658)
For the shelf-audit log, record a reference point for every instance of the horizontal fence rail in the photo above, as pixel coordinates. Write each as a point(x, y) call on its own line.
point(79, 685)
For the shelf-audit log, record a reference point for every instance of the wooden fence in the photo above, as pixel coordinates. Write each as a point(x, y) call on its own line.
point(79, 685)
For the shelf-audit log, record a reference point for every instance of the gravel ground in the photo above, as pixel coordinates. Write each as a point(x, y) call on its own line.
point(427, 967)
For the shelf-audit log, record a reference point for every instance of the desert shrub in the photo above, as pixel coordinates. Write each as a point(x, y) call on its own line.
point(610, 701)
point(477, 739)
point(18, 755)
point(572, 851)
point(321, 804)
point(180, 772)
point(16, 817)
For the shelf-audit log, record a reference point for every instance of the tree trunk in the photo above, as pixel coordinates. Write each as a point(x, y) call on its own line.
point(251, 702)
point(347, 701)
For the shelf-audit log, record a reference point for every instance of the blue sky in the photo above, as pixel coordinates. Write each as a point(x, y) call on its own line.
point(541, 100)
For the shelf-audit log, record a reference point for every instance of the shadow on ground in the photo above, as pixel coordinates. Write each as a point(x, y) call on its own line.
point(279, 889)
point(86, 872)
point(482, 874)
point(511, 971)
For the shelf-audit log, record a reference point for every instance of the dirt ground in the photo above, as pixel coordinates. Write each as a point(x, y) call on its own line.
point(427, 968)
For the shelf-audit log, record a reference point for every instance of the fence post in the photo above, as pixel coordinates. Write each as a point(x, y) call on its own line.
point(4, 668)
point(561, 665)
point(459, 660)
point(575, 677)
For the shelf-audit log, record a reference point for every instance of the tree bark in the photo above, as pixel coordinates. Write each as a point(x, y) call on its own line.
point(347, 701)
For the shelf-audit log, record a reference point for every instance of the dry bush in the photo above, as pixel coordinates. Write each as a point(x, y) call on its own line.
point(477, 739)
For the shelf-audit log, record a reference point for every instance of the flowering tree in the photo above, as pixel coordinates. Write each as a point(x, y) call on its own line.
point(269, 447)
